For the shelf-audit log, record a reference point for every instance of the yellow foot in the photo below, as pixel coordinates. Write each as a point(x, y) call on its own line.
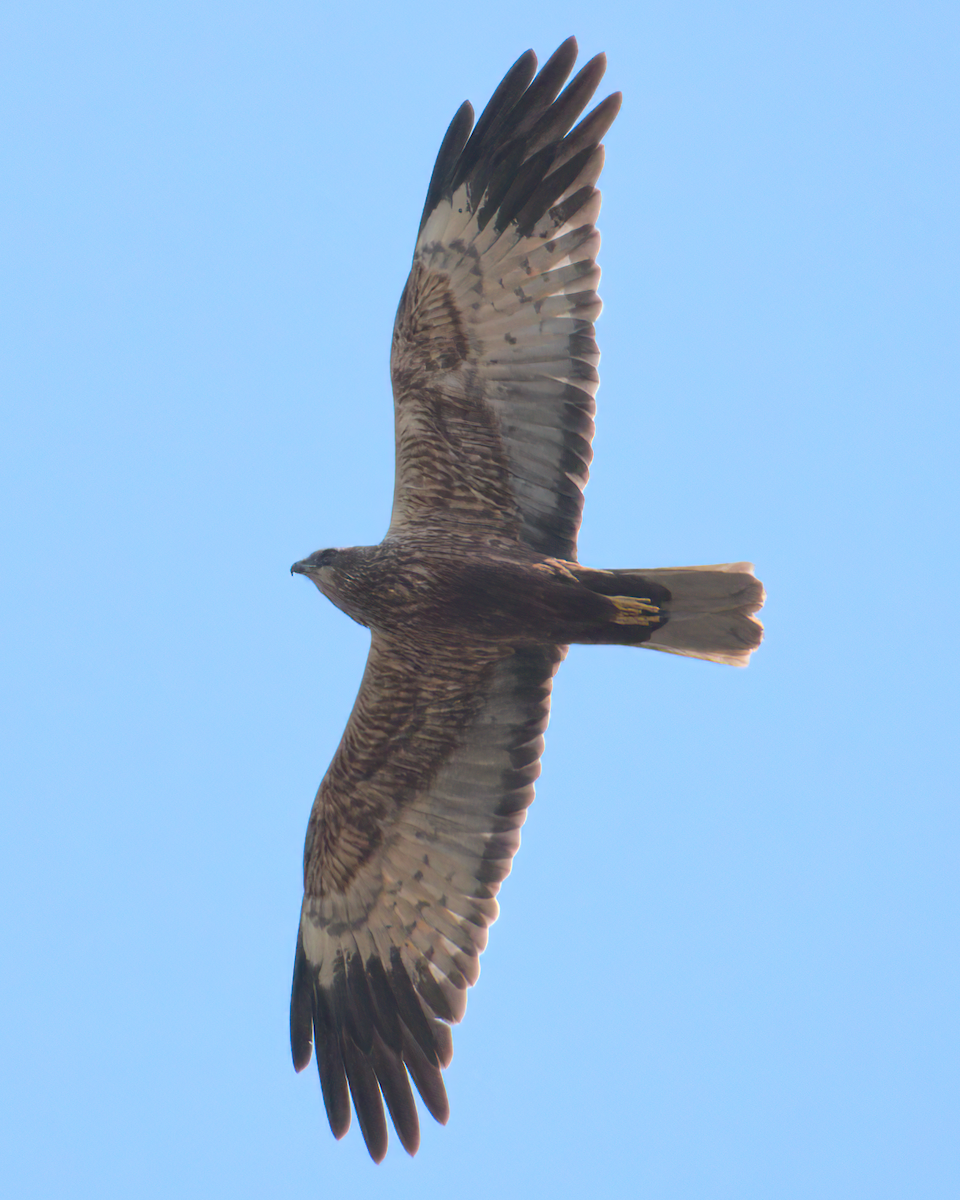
point(634, 612)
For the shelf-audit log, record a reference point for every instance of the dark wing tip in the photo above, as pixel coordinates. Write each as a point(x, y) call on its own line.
point(365, 1091)
point(301, 1010)
point(330, 1062)
point(426, 1075)
point(395, 1086)
point(526, 65)
point(609, 106)
point(454, 140)
point(527, 113)
point(369, 1030)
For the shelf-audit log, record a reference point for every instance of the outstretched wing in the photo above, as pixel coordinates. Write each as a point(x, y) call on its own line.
point(413, 829)
point(494, 359)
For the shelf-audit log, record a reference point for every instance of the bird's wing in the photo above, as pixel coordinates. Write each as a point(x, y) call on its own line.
point(494, 359)
point(413, 829)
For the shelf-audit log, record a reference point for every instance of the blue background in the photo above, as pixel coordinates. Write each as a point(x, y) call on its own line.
point(727, 961)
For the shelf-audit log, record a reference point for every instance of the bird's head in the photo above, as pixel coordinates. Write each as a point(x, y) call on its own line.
point(320, 567)
point(334, 572)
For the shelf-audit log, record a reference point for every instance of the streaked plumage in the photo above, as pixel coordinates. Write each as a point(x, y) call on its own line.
point(472, 598)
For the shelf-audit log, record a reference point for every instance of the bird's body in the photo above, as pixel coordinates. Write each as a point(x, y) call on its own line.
point(421, 593)
point(472, 599)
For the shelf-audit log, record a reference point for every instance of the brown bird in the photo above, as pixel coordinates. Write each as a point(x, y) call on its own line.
point(472, 598)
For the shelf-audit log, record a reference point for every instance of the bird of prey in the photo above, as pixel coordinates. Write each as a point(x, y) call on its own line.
point(472, 598)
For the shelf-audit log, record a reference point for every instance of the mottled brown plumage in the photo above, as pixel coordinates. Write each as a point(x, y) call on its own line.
point(472, 599)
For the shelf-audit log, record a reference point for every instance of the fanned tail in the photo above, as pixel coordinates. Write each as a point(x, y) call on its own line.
point(704, 612)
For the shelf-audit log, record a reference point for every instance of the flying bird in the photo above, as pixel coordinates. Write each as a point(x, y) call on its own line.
point(472, 598)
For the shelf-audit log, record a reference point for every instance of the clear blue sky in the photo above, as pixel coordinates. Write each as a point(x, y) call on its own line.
point(727, 961)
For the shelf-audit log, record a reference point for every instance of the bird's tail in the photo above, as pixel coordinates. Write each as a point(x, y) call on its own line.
point(700, 612)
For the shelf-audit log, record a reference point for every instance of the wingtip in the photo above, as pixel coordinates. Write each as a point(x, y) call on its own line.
point(592, 71)
point(301, 1010)
point(302, 1061)
point(527, 59)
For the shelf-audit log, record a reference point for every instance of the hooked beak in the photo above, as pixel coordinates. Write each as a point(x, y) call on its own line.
point(298, 568)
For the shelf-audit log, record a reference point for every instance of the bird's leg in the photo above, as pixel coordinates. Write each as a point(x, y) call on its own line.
point(634, 612)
